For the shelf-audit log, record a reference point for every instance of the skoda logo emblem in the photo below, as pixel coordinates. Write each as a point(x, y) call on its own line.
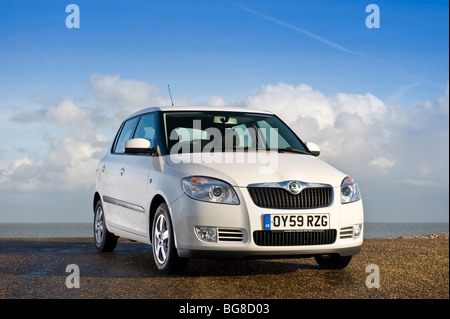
point(295, 187)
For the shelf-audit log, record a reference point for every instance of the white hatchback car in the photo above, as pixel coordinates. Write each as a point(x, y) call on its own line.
point(205, 182)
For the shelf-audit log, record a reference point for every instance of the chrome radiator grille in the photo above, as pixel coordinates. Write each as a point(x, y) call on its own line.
point(271, 197)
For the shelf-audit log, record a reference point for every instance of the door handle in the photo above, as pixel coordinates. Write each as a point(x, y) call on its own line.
point(103, 168)
point(122, 171)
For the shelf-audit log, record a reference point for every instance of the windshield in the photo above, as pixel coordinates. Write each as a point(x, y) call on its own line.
point(213, 131)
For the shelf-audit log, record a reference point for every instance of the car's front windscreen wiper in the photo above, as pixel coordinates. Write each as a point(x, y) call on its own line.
point(292, 150)
point(280, 150)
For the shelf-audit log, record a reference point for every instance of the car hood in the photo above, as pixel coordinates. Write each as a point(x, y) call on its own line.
point(247, 168)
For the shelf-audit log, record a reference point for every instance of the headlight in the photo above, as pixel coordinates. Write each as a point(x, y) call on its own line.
point(209, 190)
point(349, 191)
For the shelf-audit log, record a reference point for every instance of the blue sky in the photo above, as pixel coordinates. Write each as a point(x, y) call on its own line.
point(227, 49)
point(216, 47)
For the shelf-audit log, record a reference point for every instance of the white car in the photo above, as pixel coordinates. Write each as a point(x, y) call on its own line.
point(207, 182)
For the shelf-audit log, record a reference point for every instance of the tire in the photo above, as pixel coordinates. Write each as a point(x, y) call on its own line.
point(163, 243)
point(104, 240)
point(333, 261)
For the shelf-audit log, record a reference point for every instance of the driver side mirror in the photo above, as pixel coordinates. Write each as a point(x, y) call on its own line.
point(138, 146)
point(313, 148)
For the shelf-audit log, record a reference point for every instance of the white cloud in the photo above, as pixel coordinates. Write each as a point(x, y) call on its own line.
point(74, 162)
point(293, 103)
point(23, 175)
point(441, 103)
point(75, 147)
point(67, 113)
point(341, 124)
point(360, 133)
point(372, 140)
point(301, 102)
point(366, 106)
point(382, 163)
point(216, 101)
point(73, 134)
point(124, 97)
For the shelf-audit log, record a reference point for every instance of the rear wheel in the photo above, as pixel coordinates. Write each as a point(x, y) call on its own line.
point(104, 240)
point(333, 261)
point(163, 243)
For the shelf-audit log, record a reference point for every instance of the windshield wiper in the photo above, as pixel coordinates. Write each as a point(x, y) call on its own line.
point(292, 150)
point(280, 150)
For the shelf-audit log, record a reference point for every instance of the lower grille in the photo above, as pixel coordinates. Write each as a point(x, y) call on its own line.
point(230, 235)
point(268, 238)
point(346, 232)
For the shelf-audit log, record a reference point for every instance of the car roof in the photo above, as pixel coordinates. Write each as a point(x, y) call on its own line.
point(197, 108)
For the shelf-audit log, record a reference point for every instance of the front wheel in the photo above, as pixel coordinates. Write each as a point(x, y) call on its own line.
point(163, 243)
point(333, 261)
point(104, 240)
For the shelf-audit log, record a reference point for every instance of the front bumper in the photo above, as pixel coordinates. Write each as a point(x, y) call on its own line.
point(267, 254)
point(237, 224)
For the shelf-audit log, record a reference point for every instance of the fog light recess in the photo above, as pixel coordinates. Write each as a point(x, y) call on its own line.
point(357, 230)
point(206, 234)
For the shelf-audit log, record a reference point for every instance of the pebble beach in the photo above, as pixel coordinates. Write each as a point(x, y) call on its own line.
point(413, 267)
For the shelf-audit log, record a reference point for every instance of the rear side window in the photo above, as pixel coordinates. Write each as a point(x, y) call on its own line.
point(125, 135)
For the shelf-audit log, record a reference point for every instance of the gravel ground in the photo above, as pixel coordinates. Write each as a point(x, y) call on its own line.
point(415, 267)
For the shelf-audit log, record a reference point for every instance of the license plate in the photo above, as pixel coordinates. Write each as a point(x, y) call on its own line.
point(296, 222)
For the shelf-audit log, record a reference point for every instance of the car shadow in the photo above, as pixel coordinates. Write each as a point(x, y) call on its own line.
point(244, 267)
point(50, 257)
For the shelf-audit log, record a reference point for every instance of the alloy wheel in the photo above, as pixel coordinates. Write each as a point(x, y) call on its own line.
point(99, 226)
point(161, 239)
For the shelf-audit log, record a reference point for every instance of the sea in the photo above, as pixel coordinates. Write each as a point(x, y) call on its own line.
point(55, 230)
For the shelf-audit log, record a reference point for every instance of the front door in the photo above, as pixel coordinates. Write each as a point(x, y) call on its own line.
point(134, 197)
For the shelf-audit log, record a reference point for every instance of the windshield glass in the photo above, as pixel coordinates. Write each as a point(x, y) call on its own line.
point(214, 131)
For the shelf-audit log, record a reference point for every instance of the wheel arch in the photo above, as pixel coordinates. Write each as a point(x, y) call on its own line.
point(157, 200)
point(96, 199)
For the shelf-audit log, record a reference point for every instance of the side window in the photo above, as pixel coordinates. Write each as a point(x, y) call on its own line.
point(125, 135)
point(146, 128)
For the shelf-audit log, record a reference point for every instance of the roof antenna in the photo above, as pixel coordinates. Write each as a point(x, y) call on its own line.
point(170, 94)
